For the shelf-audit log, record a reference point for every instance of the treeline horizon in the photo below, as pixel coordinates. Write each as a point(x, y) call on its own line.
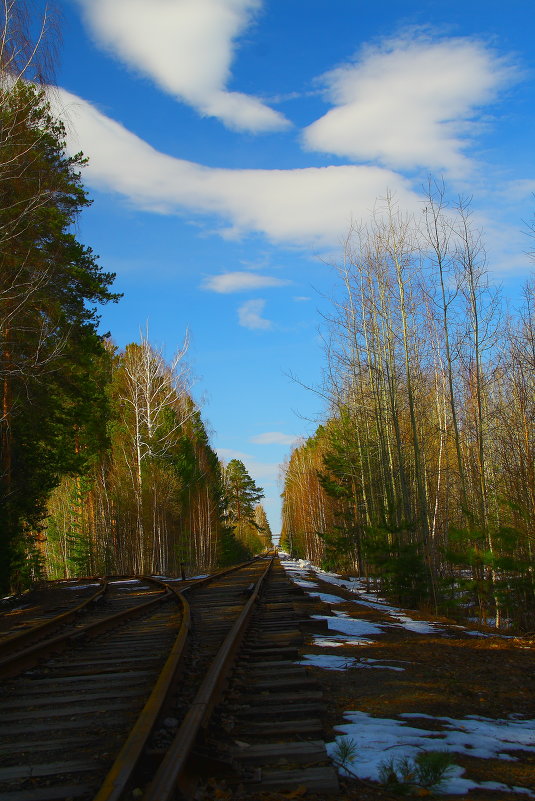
point(154, 497)
point(422, 477)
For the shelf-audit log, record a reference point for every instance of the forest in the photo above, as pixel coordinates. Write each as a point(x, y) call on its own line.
point(422, 477)
point(105, 462)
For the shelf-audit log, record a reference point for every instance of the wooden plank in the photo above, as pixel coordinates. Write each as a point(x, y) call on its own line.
point(275, 728)
point(48, 769)
point(274, 685)
point(266, 753)
point(316, 780)
point(288, 699)
point(57, 700)
point(50, 714)
point(44, 682)
point(106, 719)
point(59, 793)
point(91, 683)
point(83, 661)
point(43, 746)
point(286, 711)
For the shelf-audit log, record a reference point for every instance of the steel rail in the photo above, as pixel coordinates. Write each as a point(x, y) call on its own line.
point(21, 638)
point(120, 775)
point(29, 657)
point(164, 784)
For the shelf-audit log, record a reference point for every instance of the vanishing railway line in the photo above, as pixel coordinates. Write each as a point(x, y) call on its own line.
point(180, 684)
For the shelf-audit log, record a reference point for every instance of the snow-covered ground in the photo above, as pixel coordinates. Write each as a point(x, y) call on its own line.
point(376, 740)
point(303, 573)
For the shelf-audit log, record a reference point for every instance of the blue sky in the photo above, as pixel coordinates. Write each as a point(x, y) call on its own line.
point(231, 142)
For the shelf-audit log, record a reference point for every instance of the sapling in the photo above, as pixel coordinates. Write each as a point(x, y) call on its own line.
point(428, 771)
point(345, 751)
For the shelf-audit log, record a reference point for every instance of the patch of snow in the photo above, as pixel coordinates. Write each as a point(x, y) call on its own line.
point(337, 640)
point(418, 626)
point(125, 581)
point(303, 583)
point(357, 586)
point(328, 661)
point(326, 598)
point(485, 634)
point(474, 736)
point(351, 626)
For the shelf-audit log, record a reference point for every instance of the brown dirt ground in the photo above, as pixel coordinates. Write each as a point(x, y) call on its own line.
point(451, 676)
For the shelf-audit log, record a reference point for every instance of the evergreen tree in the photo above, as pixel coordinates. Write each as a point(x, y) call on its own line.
point(241, 496)
point(241, 492)
point(53, 403)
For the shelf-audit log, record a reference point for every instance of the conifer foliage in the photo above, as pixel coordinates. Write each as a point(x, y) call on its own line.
point(105, 464)
point(52, 401)
point(241, 498)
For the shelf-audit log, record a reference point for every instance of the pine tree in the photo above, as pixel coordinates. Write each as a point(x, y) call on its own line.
point(241, 496)
point(52, 400)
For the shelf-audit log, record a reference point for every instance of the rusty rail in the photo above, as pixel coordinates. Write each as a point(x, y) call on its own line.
point(119, 777)
point(167, 777)
point(20, 639)
point(31, 656)
point(120, 774)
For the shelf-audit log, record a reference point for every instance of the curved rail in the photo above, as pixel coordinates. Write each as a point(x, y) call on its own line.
point(119, 776)
point(121, 771)
point(163, 786)
point(32, 655)
point(22, 638)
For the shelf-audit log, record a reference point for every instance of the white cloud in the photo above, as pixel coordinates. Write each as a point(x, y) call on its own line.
point(250, 315)
point(301, 299)
point(260, 471)
point(309, 207)
point(410, 103)
point(521, 189)
point(274, 438)
point(226, 454)
point(240, 281)
point(186, 47)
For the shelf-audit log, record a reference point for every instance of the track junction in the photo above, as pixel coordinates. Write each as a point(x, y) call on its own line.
point(149, 688)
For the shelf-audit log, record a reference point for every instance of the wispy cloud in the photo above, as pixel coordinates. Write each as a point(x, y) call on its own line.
point(260, 471)
point(301, 298)
point(411, 102)
point(309, 207)
point(250, 315)
point(274, 438)
point(240, 282)
point(186, 47)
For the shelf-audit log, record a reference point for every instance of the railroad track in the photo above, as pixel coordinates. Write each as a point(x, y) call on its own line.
point(49, 633)
point(127, 712)
point(31, 619)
